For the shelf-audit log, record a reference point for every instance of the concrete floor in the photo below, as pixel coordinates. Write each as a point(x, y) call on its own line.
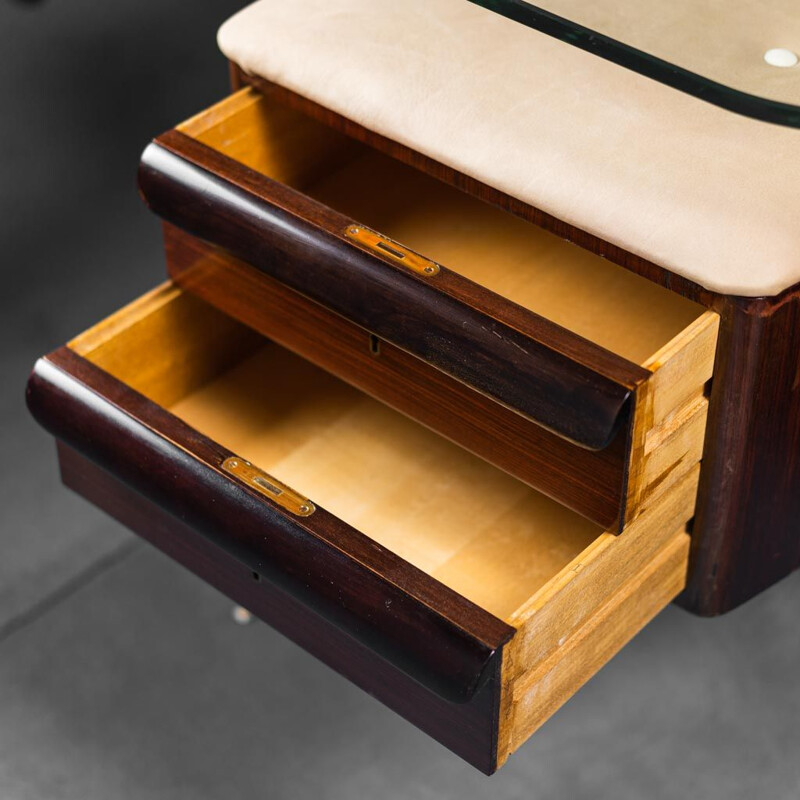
point(122, 676)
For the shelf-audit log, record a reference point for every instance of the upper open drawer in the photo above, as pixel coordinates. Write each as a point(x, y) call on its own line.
point(563, 340)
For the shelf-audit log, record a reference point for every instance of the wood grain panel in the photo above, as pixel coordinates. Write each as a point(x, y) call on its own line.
point(165, 343)
point(290, 145)
point(454, 516)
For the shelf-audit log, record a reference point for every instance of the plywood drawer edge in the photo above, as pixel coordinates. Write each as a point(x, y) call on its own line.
point(537, 695)
point(671, 412)
point(582, 586)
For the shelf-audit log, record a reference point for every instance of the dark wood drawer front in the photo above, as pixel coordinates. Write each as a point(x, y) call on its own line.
point(519, 359)
point(382, 602)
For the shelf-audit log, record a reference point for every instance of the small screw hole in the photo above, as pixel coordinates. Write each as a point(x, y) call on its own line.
point(374, 345)
point(256, 577)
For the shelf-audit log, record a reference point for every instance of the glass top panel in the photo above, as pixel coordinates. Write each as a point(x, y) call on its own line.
point(742, 55)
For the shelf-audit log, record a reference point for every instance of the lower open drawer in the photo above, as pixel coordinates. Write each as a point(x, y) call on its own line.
point(465, 600)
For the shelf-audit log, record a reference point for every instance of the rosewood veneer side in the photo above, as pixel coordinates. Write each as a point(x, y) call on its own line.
point(747, 529)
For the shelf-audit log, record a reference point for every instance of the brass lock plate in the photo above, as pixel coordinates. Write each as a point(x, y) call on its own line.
point(270, 487)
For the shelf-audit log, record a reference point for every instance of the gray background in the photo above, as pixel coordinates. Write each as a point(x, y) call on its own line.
point(121, 676)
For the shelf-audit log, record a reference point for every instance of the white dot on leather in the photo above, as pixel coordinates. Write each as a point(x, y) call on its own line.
point(780, 57)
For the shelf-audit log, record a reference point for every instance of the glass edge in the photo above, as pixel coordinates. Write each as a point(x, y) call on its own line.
point(650, 66)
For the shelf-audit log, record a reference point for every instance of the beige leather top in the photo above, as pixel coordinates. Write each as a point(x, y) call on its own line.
point(710, 195)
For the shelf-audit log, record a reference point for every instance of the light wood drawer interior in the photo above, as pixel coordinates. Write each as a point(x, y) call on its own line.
point(573, 593)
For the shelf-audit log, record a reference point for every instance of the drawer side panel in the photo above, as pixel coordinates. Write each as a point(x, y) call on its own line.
point(540, 693)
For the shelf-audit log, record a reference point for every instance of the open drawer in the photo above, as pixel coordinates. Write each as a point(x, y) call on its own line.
point(462, 598)
point(574, 375)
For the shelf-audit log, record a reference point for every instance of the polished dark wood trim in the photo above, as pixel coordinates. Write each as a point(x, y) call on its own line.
point(747, 530)
point(428, 631)
point(591, 482)
point(468, 729)
point(560, 380)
